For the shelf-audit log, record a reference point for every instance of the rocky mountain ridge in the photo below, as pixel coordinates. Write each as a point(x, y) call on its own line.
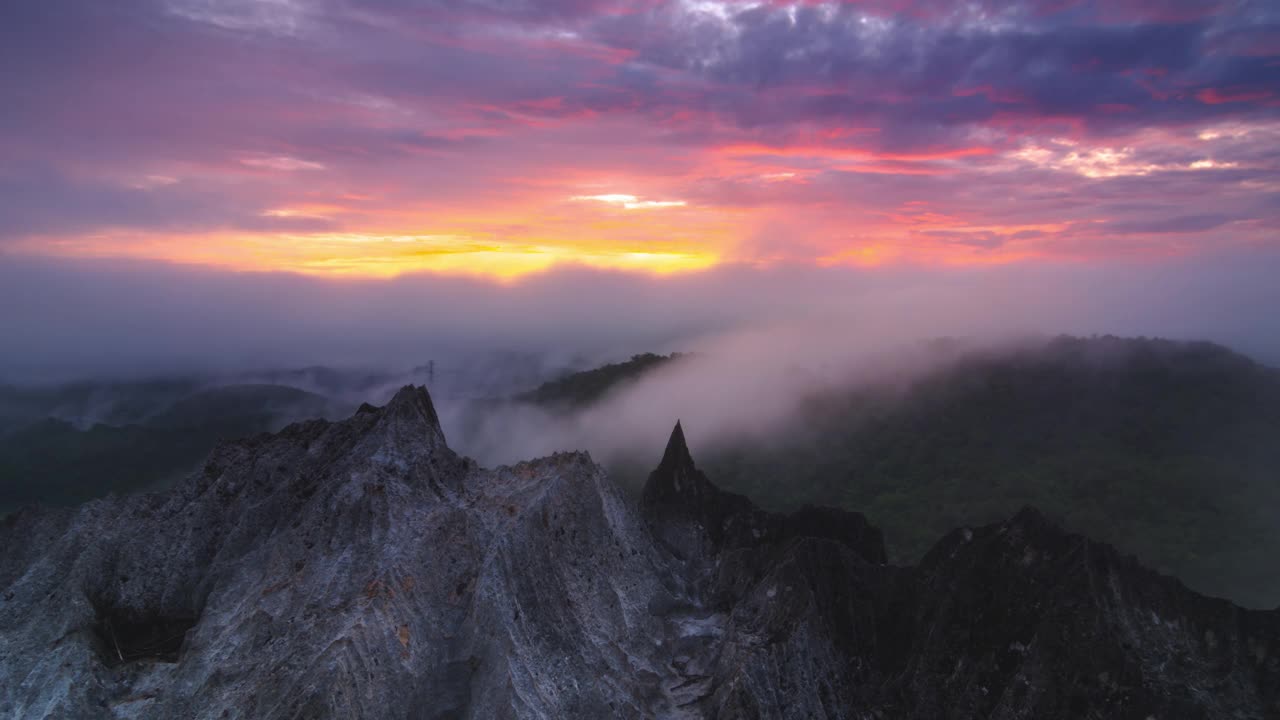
point(361, 569)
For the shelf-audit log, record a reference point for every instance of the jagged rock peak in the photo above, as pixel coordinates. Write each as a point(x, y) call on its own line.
point(683, 506)
point(414, 398)
point(677, 452)
point(411, 407)
point(677, 481)
point(691, 515)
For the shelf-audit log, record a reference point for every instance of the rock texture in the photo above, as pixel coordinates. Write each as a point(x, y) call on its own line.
point(362, 570)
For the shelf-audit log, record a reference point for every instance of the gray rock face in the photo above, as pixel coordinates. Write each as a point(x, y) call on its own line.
point(361, 569)
point(357, 569)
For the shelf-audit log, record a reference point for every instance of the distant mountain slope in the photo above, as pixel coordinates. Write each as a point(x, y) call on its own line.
point(87, 403)
point(241, 408)
point(580, 389)
point(1169, 450)
point(66, 443)
point(54, 462)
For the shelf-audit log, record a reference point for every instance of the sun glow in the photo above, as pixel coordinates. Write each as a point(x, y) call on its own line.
point(354, 254)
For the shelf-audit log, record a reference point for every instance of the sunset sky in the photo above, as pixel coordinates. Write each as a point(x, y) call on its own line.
point(504, 137)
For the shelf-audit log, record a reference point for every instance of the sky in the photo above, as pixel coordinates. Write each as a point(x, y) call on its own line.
point(245, 182)
point(503, 138)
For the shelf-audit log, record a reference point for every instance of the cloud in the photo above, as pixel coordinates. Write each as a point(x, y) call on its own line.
point(282, 162)
point(630, 202)
point(1178, 224)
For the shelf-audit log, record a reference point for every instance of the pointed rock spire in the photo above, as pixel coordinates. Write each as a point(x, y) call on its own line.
point(677, 494)
point(691, 516)
point(677, 481)
point(677, 452)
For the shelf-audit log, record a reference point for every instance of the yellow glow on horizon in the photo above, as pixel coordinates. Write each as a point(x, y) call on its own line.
point(377, 255)
point(504, 237)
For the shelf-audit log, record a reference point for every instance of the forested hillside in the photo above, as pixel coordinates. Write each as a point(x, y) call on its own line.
point(1169, 450)
point(580, 389)
point(54, 462)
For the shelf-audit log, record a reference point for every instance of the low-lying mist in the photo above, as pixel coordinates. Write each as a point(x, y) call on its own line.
point(743, 387)
point(67, 319)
